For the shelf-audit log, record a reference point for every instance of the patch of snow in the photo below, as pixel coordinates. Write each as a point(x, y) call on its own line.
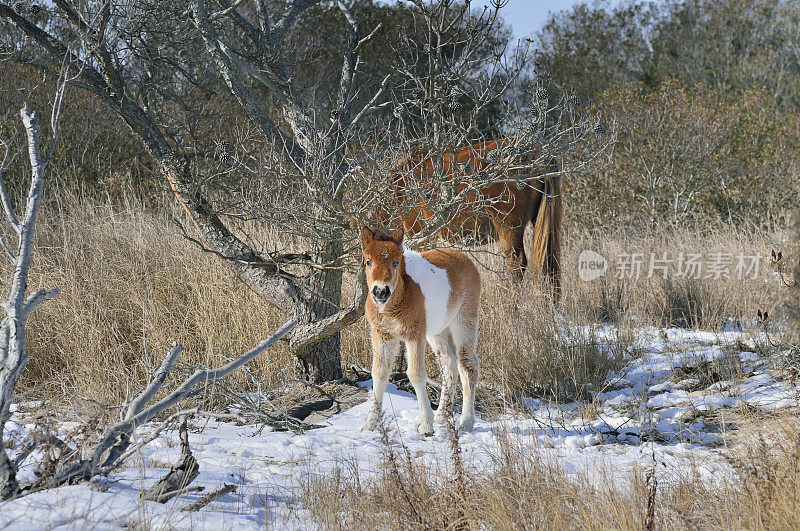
point(748, 356)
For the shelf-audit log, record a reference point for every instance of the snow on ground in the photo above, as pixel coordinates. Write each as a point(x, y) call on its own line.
point(662, 406)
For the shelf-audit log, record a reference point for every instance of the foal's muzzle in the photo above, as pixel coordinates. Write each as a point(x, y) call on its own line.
point(381, 295)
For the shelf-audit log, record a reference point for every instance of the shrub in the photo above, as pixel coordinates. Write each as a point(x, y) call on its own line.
point(689, 157)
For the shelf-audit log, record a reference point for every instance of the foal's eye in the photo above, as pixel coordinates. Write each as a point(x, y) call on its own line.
point(369, 263)
point(395, 264)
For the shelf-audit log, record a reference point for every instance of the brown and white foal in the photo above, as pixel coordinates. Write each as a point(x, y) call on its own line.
point(434, 294)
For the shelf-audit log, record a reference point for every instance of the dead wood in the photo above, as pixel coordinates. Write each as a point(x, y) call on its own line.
point(208, 498)
point(179, 477)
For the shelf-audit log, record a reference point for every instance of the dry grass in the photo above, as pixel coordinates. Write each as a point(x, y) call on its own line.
point(529, 348)
point(646, 298)
point(521, 490)
point(524, 490)
point(131, 285)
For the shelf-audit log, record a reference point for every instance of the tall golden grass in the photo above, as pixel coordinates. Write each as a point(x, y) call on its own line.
point(131, 285)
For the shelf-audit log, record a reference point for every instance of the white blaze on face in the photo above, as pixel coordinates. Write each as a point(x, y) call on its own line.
point(435, 286)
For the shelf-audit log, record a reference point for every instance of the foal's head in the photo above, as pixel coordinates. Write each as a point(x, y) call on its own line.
point(383, 255)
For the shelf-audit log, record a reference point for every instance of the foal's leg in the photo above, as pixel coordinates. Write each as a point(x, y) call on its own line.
point(445, 351)
point(384, 351)
point(465, 337)
point(418, 376)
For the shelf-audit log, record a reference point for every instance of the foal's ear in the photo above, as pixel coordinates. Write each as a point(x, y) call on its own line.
point(397, 235)
point(366, 235)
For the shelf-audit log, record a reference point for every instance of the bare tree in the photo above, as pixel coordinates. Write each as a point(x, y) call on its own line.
point(273, 177)
point(17, 306)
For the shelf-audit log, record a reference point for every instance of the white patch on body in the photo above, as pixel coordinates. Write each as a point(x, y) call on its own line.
point(435, 286)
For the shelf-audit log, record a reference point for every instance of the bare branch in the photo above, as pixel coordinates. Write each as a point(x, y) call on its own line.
point(110, 74)
point(371, 103)
point(350, 59)
point(208, 498)
point(55, 47)
point(282, 26)
point(224, 57)
point(226, 11)
point(154, 385)
point(35, 299)
point(13, 335)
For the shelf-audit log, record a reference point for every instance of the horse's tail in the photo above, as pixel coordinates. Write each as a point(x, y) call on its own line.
point(546, 240)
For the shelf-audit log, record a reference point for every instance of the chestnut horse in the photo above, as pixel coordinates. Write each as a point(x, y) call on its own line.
point(414, 296)
point(504, 207)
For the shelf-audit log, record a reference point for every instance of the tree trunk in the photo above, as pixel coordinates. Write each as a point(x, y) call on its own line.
point(321, 361)
point(10, 368)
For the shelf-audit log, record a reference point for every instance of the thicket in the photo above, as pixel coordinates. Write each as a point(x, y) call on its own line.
point(703, 99)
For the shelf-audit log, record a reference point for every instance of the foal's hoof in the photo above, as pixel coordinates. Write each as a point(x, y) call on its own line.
point(426, 430)
point(466, 424)
point(370, 424)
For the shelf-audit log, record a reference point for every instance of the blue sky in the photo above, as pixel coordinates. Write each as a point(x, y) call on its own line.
point(527, 16)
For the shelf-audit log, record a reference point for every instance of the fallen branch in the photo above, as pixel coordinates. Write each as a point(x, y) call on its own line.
point(166, 496)
point(208, 498)
point(106, 454)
